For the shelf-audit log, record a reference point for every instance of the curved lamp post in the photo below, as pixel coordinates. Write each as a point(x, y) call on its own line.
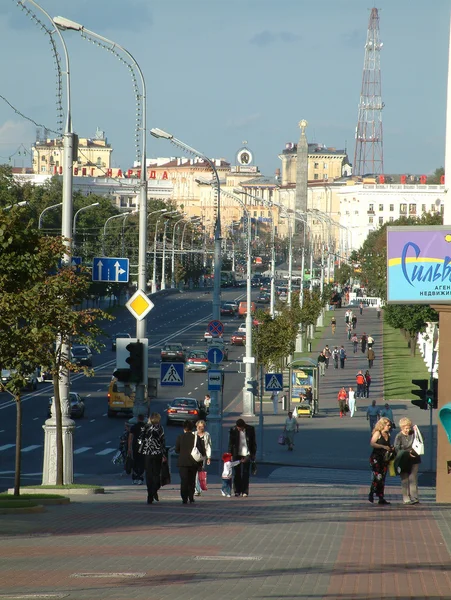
point(173, 252)
point(74, 226)
point(154, 274)
point(44, 211)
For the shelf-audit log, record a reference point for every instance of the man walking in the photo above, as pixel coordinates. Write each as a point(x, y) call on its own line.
point(361, 307)
point(371, 356)
point(355, 342)
point(342, 357)
point(322, 364)
point(327, 353)
point(335, 356)
point(360, 381)
point(370, 341)
point(242, 444)
point(354, 321)
point(275, 401)
point(373, 414)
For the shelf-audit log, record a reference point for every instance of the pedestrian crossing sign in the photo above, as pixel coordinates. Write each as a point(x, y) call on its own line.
point(273, 382)
point(172, 374)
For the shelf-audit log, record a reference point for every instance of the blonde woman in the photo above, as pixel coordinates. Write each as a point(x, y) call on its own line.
point(380, 442)
point(205, 442)
point(408, 461)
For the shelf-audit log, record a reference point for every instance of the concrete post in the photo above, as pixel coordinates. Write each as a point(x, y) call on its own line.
point(68, 426)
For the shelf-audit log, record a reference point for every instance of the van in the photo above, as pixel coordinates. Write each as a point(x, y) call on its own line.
point(242, 309)
point(121, 398)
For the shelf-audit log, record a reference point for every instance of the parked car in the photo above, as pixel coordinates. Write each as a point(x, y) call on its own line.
point(118, 335)
point(174, 352)
point(219, 343)
point(238, 338)
point(77, 406)
point(197, 361)
point(228, 309)
point(31, 380)
point(185, 409)
point(81, 356)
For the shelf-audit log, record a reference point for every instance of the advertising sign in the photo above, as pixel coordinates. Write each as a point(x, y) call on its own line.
point(301, 379)
point(419, 265)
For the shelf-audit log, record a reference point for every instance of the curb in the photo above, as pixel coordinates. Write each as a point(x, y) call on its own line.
point(22, 511)
point(67, 492)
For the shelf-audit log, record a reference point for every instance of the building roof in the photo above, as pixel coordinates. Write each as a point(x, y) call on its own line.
point(314, 148)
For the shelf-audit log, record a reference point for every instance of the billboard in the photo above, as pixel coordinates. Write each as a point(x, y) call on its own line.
point(301, 379)
point(419, 264)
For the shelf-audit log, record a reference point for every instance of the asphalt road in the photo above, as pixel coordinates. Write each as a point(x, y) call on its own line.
point(176, 317)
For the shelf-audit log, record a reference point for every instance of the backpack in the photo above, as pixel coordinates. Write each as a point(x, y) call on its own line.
point(342, 353)
point(335, 353)
point(360, 379)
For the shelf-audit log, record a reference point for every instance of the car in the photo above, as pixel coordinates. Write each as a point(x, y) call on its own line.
point(240, 283)
point(81, 356)
point(263, 298)
point(255, 282)
point(77, 406)
point(228, 309)
point(197, 361)
point(283, 296)
point(173, 352)
point(118, 335)
point(238, 338)
point(185, 409)
point(219, 343)
point(242, 328)
point(31, 380)
point(208, 336)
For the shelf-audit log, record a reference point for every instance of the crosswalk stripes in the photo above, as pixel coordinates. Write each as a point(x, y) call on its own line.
point(106, 451)
point(82, 450)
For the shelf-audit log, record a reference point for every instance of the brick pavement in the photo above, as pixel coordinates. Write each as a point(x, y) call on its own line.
point(303, 532)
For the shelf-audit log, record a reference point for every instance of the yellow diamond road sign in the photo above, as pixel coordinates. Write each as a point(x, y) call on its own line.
point(139, 305)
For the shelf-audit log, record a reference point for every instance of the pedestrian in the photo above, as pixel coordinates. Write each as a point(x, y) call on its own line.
point(363, 341)
point(378, 311)
point(184, 445)
point(367, 383)
point(380, 442)
point(407, 461)
point(349, 331)
point(342, 398)
point(275, 401)
point(373, 414)
point(152, 448)
point(291, 427)
point(309, 395)
point(333, 324)
point(322, 364)
point(354, 321)
point(360, 381)
point(207, 402)
point(370, 341)
point(351, 402)
point(342, 357)
point(387, 413)
point(327, 353)
point(361, 307)
point(123, 448)
point(355, 342)
point(133, 446)
point(347, 317)
point(205, 436)
point(242, 444)
point(371, 356)
point(226, 489)
point(335, 356)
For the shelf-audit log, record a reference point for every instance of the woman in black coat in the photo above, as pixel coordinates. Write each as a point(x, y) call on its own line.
point(242, 444)
point(186, 463)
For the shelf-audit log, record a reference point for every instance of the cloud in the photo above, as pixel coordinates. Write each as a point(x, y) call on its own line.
point(266, 38)
point(15, 132)
point(239, 123)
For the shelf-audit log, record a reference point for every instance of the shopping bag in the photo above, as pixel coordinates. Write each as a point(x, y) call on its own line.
point(128, 465)
point(253, 467)
point(118, 458)
point(281, 439)
point(391, 468)
point(165, 475)
point(418, 444)
point(203, 480)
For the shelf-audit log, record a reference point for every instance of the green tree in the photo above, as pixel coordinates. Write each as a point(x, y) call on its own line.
point(344, 273)
point(411, 319)
point(437, 176)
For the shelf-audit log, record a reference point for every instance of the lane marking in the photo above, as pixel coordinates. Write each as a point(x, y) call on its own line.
point(106, 451)
point(30, 448)
point(82, 449)
point(7, 446)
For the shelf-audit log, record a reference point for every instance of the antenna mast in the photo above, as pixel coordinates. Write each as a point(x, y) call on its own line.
point(369, 154)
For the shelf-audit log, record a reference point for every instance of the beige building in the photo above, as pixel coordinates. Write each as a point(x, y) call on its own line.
point(324, 164)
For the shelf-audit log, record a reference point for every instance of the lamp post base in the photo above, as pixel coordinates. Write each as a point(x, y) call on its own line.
point(49, 466)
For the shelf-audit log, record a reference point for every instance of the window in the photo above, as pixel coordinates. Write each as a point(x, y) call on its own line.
point(391, 219)
point(255, 213)
point(325, 176)
point(370, 219)
point(392, 207)
point(423, 208)
point(269, 213)
point(381, 220)
point(381, 207)
point(315, 176)
point(316, 165)
point(403, 209)
point(371, 208)
point(325, 165)
point(432, 207)
point(412, 209)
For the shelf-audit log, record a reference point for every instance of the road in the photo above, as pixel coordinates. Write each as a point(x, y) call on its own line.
point(178, 317)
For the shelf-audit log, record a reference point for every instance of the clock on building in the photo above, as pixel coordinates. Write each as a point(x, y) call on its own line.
point(244, 157)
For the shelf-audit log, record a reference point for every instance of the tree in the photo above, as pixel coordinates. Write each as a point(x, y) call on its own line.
point(344, 273)
point(36, 305)
point(411, 318)
point(437, 176)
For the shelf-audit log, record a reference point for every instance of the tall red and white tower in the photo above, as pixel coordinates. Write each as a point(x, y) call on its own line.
point(369, 155)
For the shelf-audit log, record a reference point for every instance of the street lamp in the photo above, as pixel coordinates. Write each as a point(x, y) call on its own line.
point(141, 324)
point(74, 228)
point(44, 211)
point(173, 252)
point(214, 416)
point(192, 221)
point(154, 274)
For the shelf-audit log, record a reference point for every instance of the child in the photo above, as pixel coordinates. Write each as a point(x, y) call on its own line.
point(227, 473)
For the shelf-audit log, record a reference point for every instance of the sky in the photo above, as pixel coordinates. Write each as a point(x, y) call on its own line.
point(220, 72)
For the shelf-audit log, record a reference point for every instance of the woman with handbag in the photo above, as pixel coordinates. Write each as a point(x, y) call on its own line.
point(407, 461)
point(205, 436)
point(186, 446)
point(381, 455)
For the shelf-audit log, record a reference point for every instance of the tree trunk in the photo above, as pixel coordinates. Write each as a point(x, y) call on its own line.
point(413, 344)
point(17, 398)
point(59, 432)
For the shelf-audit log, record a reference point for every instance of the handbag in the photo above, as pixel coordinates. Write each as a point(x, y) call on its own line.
point(389, 455)
point(128, 465)
point(253, 467)
point(391, 468)
point(195, 451)
point(417, 444)
point(281, 439)
point(203, 480)
point(165, 475)
point(346, 408)
point(118, 458)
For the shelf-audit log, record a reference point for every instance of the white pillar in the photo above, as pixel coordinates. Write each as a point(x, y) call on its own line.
point(49, 467)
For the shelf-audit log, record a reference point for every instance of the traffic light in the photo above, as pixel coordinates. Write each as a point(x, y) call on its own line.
point(423, 384)
point(432, 394)
point(136, 361)
point(122, 375)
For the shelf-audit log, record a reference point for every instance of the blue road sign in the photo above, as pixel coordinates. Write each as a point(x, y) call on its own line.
point(273, 382)
point(110, 269)
point(216, 328)
point(172, 374)
point(214, 380)
point(215, 355)
point(75, 261)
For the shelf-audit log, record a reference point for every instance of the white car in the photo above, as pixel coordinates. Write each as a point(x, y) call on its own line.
point(242, 328)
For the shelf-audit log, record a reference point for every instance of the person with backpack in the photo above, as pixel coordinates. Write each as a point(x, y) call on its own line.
point(327, 353)
point(342, 398)
point(342, 357)
point(335, 356)
point(360, 381)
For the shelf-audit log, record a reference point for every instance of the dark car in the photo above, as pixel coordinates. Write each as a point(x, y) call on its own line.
point(228, 309)
point(336, 300)
point(81, 356)
point(197, 361)
point(185, 409)
point(173, 352)
point(118, 335)
point(255, 282)
point(238, 338)
point(77, 406)
point(263, 298)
